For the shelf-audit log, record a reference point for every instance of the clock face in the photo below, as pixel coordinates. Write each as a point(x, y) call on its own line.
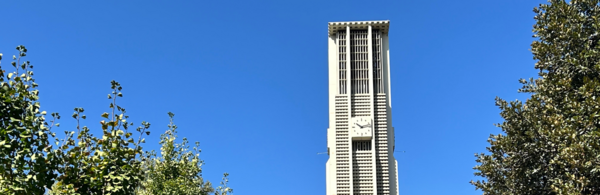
point(361, 128)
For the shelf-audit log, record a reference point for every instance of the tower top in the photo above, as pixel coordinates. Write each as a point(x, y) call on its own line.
point(382, 25)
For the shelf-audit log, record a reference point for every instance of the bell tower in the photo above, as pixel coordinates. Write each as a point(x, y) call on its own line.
point(360, 137)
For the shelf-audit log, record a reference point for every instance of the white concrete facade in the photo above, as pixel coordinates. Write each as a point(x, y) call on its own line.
point(360, 137)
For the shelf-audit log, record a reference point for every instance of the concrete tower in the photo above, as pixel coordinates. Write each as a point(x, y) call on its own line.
point(360, 137)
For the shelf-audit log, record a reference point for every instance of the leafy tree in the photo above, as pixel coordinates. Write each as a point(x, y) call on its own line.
point(26, 162)
point(83, 163)
point(178, 170)
point(106, 165)
point(551, 142)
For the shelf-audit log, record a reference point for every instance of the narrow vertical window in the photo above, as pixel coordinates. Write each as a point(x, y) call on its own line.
point(341, 37)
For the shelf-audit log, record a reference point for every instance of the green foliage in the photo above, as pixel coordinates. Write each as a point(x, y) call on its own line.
point(551, 143)
point(178, 170)
point(223, 189)
point(83, 163)
point(106, 165)
point(26, 163)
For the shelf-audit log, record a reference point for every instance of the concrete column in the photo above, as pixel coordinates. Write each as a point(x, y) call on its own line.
point(372, 93)
point(349, 92)
point(330, 167)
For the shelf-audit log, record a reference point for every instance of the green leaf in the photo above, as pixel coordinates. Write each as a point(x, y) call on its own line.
point(25, 135)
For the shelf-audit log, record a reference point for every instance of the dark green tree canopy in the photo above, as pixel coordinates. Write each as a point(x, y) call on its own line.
point(551, 142)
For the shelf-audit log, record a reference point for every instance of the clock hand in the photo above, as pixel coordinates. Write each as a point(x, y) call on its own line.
point(365, 125)
point(358, 125)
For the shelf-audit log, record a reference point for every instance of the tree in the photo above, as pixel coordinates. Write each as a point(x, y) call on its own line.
point(178, 170)
point(82, 163)
point(106, 165)
point(551, 142)
point(27, 163)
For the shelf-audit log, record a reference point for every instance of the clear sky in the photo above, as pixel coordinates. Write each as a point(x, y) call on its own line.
point(248, 79)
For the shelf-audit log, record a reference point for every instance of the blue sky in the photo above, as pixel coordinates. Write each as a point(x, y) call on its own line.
point(248, 79)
